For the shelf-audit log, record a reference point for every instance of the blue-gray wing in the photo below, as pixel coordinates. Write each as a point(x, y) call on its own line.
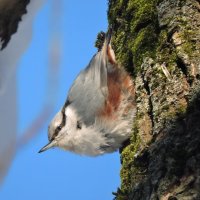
point(89, 91)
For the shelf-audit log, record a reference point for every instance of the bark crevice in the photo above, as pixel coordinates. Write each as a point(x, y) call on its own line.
point(150, 110)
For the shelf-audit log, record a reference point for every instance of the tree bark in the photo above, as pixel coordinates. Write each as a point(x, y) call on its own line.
point(158, 42)
point(11, 12)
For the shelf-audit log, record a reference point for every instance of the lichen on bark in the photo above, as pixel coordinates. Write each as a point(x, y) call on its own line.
point(158, 42)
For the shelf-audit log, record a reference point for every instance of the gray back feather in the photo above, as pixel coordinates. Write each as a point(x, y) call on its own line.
point(89, 91)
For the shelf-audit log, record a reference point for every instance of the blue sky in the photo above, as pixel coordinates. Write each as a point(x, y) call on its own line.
point(57, 174)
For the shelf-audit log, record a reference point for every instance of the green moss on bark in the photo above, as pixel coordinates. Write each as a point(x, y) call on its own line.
point(135, 28)
point(136, 34)
point(127, 157)
point(139, 31)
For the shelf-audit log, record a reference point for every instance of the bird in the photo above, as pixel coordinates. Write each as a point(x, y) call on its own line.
point(99, 111)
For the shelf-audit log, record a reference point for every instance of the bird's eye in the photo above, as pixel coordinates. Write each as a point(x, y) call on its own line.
point(59, 128)
point(78, 125)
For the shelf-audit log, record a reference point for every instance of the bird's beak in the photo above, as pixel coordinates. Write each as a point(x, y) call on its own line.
point(48, 146)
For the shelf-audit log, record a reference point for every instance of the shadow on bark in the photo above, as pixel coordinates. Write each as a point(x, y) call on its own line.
point(170, 168)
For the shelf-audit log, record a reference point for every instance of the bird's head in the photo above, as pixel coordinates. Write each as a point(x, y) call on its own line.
point(62, 129)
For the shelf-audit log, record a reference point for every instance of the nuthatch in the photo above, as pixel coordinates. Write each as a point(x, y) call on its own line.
point(98, 114)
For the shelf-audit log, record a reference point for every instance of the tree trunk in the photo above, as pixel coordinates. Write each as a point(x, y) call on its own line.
point(11, 12)
point(158, 42)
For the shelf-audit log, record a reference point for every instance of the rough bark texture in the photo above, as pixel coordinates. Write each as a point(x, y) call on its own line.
point(11, 12)
point(158, 41)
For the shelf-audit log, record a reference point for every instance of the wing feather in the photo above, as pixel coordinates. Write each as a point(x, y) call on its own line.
point(89, 91)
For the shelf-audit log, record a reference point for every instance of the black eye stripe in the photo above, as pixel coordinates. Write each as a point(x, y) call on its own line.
point(79, 125)
point(62, 124)
point(67, 103)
